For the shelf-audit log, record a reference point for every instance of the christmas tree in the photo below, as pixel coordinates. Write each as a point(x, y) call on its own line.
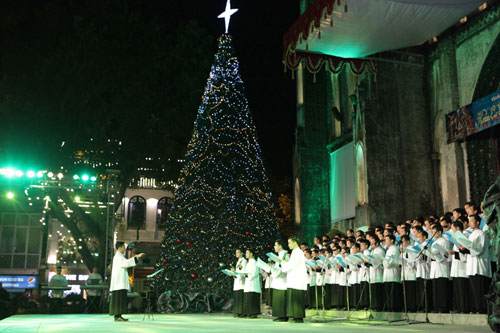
point(223, 201)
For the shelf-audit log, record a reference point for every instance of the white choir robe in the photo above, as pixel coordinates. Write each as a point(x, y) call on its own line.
point(277, 275)
point(335, 275)
point(458, 266)
point(364, 272)
point(478, 262)
point(266, 278)
point(319, 275)
point(377, 268)
point(295, 268)
point(392, 272)
point(423, 265)
point(353, 272)
point(328, 274)
point(409, 270)
point(311, 274)
point(239, 280)
point(440, 266)
point(119, 273)
point(252, 281)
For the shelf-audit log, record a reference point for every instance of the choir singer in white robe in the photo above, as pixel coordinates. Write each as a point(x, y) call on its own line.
point(296, 281)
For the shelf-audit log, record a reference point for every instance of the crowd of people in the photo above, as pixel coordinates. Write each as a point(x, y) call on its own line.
point(437, 264)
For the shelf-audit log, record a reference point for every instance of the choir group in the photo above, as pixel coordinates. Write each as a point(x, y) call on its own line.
point(438, 264)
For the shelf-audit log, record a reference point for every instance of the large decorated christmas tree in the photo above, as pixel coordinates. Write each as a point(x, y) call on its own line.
point(223, 201)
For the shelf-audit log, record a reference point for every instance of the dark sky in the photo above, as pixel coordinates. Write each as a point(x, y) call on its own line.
point(257, 29)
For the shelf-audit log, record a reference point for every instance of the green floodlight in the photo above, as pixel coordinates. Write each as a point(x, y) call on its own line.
point(30, 174)
point(9, 173)
point(39, 174)
point(76, 177)
point(77, 199)
point(19, 173)
point(10, 195)
point(93, 178)
point(85, 178)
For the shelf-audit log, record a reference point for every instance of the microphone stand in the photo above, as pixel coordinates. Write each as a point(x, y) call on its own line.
point(322, 318)
point(427, 321)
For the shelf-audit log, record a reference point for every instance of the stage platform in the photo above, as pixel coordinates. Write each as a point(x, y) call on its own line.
point(188, 323)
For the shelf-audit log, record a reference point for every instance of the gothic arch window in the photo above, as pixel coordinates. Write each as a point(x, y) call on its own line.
point(164, 206)
point(136, 217)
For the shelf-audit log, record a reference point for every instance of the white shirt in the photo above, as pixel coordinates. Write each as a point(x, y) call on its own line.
point(239, 280)
point(119, 273)
point(440, 264)
point(458, 266)
point(252, 281)
point(478, 262)
point(392, 271)
point(296, 270)
point(277, 274)
point(377, 268)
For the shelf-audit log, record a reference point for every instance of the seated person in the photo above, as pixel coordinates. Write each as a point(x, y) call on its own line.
point(94, 279)
point(58, 280)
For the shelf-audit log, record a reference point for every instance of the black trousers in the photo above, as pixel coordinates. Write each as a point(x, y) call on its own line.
point(327, 299)
point(118, 304)
point(353, 296)
point(460, 295)
point(238, 302)
point(440, 295)
point(479, 285)
point(364, 296)
point(315, 297)
point(393, 296)
point(295, 303)
point(378, 296)
point(279, 303)
point(251, 303)
point(410, 291)
point(422, 286)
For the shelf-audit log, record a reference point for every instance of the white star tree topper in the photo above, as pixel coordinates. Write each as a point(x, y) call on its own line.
point(226, 15)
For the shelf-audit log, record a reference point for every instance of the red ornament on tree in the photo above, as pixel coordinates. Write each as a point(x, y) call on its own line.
point(193, 275)
point(178, 241)
point(268, 246)
point(188, 243)
point(164, 261)
point(247, 233)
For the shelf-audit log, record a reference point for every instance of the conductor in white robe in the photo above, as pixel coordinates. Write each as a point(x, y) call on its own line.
point(120, 285)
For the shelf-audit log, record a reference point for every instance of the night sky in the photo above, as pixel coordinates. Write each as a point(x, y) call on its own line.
point(257, 30)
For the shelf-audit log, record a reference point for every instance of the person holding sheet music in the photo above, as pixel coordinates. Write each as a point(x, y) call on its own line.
point(392, 275)
point(239, 284)
point(364, 275)
point(251, 290)
point(376, 273)
point(354, 263)
point(478, 264)
point(296, 281)
point(440, 270)
point(338, 282)
point(329, 277)
point(409, 273)
point(423, 265)
point(278, 284)
point(458, 272)
point(315, 286)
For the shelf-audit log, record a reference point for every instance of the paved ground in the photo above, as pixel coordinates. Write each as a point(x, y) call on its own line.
point(188, 323)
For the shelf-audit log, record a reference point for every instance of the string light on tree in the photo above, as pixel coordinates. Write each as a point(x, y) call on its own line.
point(223, 201)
